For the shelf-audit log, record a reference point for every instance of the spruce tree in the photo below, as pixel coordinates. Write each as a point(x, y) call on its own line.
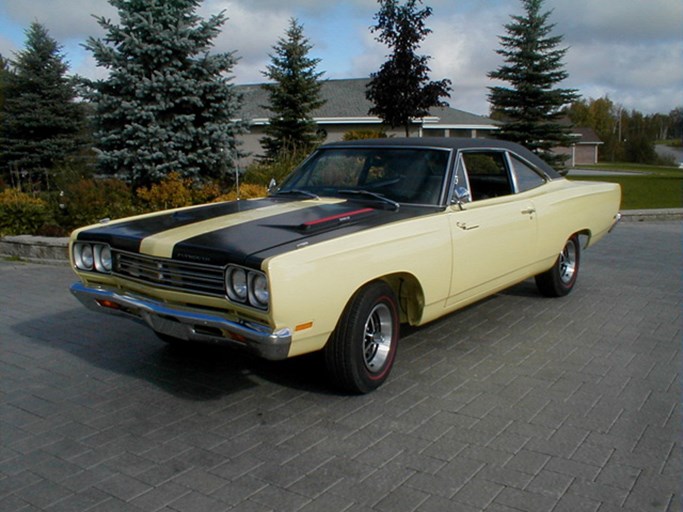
point(531, 107)
point(42, 124)
point(4, 76)
point(401, 90)
point(167, 104)
point(294, 94)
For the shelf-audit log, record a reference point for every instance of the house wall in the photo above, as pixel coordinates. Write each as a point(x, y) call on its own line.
point(579, 154)
point(586, 154)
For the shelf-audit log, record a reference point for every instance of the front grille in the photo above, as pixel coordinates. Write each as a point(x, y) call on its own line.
point(167, 273)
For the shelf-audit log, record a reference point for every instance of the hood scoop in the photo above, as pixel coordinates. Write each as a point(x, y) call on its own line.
point(334, 221)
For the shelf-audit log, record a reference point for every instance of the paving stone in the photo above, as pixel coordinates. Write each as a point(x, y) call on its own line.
point(123, 487)
point(160, 496)
point(515, 403)
point(478, 493)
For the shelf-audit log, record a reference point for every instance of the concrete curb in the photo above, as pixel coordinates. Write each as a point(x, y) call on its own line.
point(655, 214)
point(50, 250)
point(40, 249)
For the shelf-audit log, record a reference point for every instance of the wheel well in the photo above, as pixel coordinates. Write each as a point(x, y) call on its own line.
point(584, 237)
point(409, 294)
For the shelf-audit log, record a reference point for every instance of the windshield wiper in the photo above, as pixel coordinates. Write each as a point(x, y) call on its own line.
point(297, 191)
point(374, 195)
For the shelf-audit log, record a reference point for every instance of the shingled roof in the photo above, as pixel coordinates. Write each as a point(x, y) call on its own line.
point(346, 101)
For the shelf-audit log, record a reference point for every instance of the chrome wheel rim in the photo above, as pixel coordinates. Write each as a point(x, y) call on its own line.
point(567, 262)
point(377, 338)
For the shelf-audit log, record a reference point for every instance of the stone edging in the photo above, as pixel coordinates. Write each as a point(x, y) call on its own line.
point(41, 249)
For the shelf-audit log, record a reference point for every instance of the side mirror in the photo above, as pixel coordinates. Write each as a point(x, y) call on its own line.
point(272, 185)
point(461, 196)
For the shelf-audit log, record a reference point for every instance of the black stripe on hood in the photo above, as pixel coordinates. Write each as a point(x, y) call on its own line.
point(128, 235)
point(252, 242)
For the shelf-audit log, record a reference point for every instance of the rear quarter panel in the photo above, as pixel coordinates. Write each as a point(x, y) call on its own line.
point(569, 207)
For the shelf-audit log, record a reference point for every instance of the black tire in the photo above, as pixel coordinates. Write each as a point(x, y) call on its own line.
point(361, 351)
point(560, 279)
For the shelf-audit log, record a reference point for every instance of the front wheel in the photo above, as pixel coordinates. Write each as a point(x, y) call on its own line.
point(361, 351)
point(560, 279)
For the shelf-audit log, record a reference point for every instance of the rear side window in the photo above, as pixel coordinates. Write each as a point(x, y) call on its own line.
point(525, 176)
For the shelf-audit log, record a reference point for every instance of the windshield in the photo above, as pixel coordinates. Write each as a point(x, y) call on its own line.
point(400, 175)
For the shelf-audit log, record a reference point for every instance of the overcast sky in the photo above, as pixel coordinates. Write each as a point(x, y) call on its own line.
point(630, 50)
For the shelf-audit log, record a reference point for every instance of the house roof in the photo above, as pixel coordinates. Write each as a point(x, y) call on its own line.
point(345, 102)
point(586, 135)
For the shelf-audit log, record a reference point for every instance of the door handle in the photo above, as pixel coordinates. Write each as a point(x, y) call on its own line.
point(465, 227)
point(529, 210)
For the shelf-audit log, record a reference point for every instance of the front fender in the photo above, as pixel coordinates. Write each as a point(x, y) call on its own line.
point(311, 286)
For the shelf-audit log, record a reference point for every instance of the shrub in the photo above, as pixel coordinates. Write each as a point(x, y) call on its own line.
point(261, 173)
point(364, 134)
point(247, 191)
point(174, 191)
point(171, 192)
point(87, 201)
point(22, 214)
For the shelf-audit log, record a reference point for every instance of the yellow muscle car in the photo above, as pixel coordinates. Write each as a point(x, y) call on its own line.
point(362, 237)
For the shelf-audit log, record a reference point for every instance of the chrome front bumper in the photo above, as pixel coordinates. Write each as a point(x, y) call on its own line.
point(188, 325)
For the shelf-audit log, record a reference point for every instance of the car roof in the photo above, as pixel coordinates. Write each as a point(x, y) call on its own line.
point(451, 143)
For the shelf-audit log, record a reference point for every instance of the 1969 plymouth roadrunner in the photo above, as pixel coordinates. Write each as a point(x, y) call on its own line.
point(362, 237)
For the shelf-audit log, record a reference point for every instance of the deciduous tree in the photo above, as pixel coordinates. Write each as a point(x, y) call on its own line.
point(168, 103)
point(532, 106)
point(401, 90)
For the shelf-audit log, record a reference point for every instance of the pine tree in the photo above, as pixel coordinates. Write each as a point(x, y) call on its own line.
point(532, 106)
point(167, 104)
point(401, 90)
point(294, 94)
point(41, 122)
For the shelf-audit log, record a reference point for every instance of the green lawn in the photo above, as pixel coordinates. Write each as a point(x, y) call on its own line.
point(661, 187)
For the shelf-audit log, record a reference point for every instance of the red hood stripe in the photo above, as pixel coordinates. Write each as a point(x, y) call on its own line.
point(341, 217)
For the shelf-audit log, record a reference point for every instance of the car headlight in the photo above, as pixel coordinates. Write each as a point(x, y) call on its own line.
point(92, 256)
point(236, 284)
point(102, 258)
point(260, 295)
point(248, 287)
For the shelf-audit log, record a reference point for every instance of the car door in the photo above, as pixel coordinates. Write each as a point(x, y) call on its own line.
point(493, 229)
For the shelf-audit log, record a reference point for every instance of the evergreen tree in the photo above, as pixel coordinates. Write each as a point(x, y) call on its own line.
point(531, 107)
point(41, 122)
point(167, 104)
point(294, 94)
point(4, 76)
point(401, 90)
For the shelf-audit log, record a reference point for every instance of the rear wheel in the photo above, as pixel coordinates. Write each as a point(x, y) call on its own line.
point(560, 279)
point(361, 351)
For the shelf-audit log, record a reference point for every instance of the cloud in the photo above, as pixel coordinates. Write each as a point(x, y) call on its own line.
point(7, 48)
point(462, 49)
point(625, 20)
point(630, 49)
point(249, 32)
point(65, 19)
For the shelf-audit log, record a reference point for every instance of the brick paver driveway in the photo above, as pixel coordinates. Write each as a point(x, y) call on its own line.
point(516, 403)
